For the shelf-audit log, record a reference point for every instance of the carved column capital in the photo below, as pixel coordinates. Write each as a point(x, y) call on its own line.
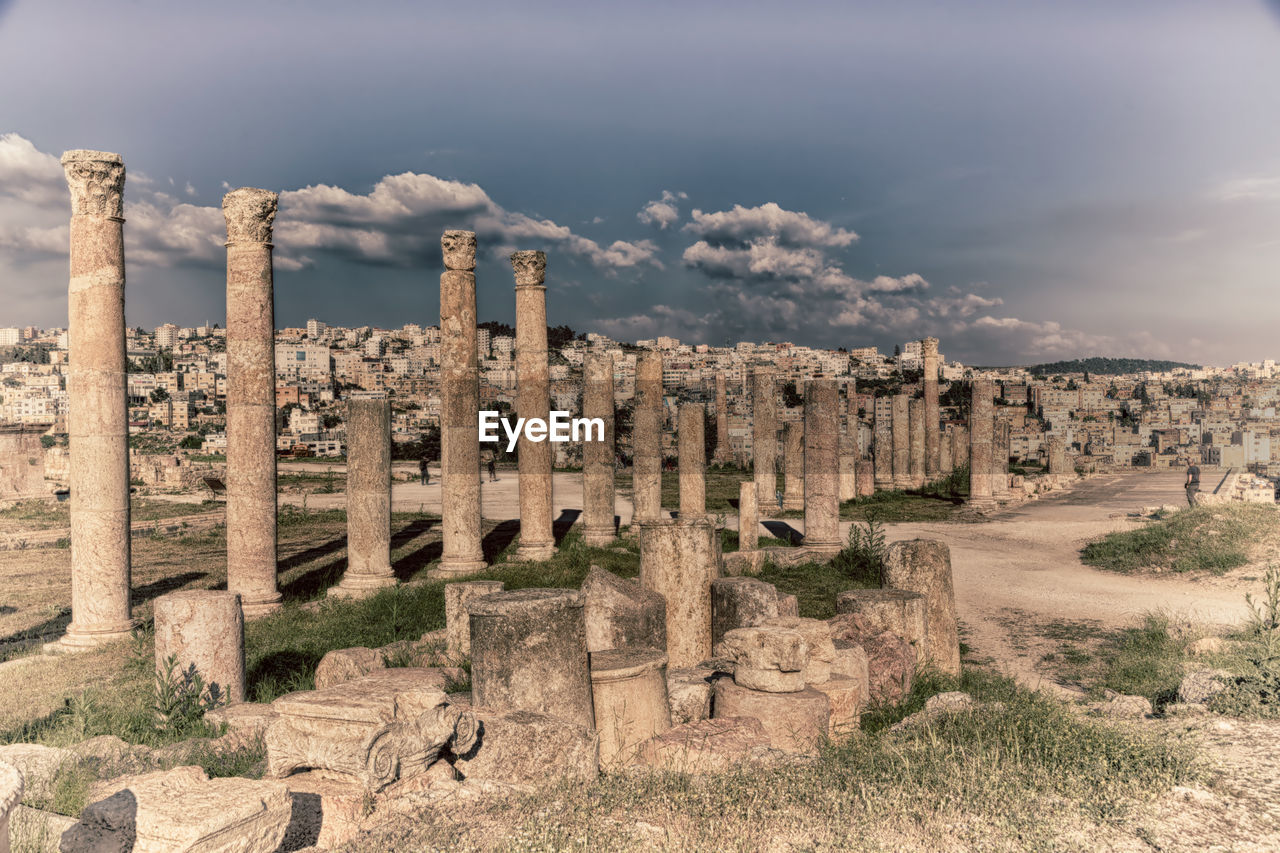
point(249, 213)
point(459, 250)
point(530, 268)
point(96, 181)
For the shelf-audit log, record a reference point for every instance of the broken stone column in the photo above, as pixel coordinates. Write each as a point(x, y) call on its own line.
point(529, 653)
point(460, 401)
point(533, 400)
point(960, 445)
point(251, 400)
point(621, 613)
point(924, 566)
point(722, 421)
point(740, 603)
point(748, 517)
point(203, 628)
point(678, 560)
point(457, 616)
point(981, 438)
point(848, 468)
point(796, 722)
point(1057, 449)
point(629, 693)
point(693, 458)
point(1000, 437)
point(901, 441)
point(11, 787)
point(932, 412)
point(897, 610)
point(793, 465)
point(97, 406)
point(945, 465)
point(764, 441)
point(368, 498)
point(598, 528)
point(882, 448)
point(822, 465)
point(916, 451)
point(646, 439)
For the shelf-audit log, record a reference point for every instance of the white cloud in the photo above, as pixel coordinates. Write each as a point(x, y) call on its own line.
point(748, 224)
point(1253, 188)
point(662, 212)
point(29, 174)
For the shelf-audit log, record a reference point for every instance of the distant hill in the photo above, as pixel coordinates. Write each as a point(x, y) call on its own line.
point(1109, 366)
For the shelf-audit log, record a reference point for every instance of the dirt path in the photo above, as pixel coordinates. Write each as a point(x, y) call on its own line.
point(1021, 572)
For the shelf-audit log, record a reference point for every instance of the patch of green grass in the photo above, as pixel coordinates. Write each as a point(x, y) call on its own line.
point(1213, 539)
point(895, 506)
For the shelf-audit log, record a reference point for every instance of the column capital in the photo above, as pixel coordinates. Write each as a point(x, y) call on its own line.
point(249, 213)
point(96, 181)
point(530, 268)
point(459, 250)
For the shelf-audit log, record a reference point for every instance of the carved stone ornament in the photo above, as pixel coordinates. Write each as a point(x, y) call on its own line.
point(249, 213)
point(96, 181)
point(459, 249)
point(530, 267)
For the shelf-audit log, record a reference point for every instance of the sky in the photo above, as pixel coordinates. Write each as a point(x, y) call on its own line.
point(1027, 181)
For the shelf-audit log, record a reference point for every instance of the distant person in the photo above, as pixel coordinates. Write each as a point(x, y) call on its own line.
point(423, 469)
point(493, 470)
point(1193, 484)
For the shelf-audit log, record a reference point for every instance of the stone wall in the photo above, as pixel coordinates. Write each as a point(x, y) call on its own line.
point(21, 463)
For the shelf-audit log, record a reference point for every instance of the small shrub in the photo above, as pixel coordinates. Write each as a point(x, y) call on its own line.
point(182, 698)
point(863, 557)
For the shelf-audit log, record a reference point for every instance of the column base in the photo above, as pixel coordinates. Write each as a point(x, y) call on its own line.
point(599, 537)
point(535, 552)
point(362, 585)
point(261, 606)
point(457, 569)
point(84, 640)
point(789, 504)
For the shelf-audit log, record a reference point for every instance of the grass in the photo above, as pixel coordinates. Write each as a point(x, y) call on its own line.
point(939, 500)
point(1011, 774)
point(1212, 539)
point(48, 515)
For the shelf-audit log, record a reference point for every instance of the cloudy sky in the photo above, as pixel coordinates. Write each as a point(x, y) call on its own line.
point(1025, 180)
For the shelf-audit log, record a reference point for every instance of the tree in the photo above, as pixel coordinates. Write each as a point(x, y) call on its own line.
point(790, 396)
point(191, 442)
point(897, 350)
point(159, 395)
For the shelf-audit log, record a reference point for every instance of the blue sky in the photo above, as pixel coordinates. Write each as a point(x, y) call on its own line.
point(1025, 180)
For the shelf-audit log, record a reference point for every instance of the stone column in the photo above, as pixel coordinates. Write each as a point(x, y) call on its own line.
point(646, 439)
point(97, 413)
point(959, 446)
point(981, 437)
point(866, 478)
point(748, 517)
point(916, 450)
point(693, 456)
point(882, 448)
point(629, 691)
point(932, 412)
point(529, 653)
point(764, 441)
point(533, 400)
point(203, 628)
point(1057, 450)
point(1000, 458)
point(848, 467)
point(598, 528)
point(924, 566)
point(679, 560)
point(793, 465)
point(368, 498)
point(901, 441)
point(822, 465)
point(722, 421)
point(944, 453)
point(460, 404)
point(251, 401)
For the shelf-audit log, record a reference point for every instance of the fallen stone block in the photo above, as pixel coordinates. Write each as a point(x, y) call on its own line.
point(740, 603)
point(924, 566)
point(705, 746)
point(851, 662)
point(689, 691)
point(622, 614)
point(844, 696)
point(817, 637)
point(38, 765)
point(766, 658)
point(788, 605)
point(743, 563)
point(1198, 687)
point(795, 722)
point(342, 665)
point(526, 748)
point(246, 719)
point(896, 610)
point(890, 658)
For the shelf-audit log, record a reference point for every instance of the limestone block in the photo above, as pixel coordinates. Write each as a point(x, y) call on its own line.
point(629, 691)
point(740, 603)
point(38, 765)
point(706, 746)
point(851, 662)
point(375, 730)
point(10, 795)
point(679, 560)
point(788, 605)
point(890, 658)
point(845, 697)
point(1198, 687)
point(203, 628)
point(622, 614)
point(766, 658)
point(895, 610)
point(924, 566)
point(246, 719)
point(743, 563)
point(457, 618)
point(817, 637)
point(795, 722)
point(689, 691)
point(342, 665)
point(527, 748)
point(183, 811)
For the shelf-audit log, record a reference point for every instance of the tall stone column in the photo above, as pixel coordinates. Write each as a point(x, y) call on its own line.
point(764, 440)
point(901, 441)
point(251, 400)
point(959, 445)
point(368, 498)
point(981, 438)
point(793, 465)
point(932, 412)
point(693, 457)
point(97, 413)
point(722, 421)
point(597, 456)
point(882, 446)
point(916, 451)
point(646, 439)
point(848, 468)
point(533, 400)
point(1000, 458)
point(679, 560)
point(459, 420)
point(822, 465)
point(748, 517)
point(944, 453)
